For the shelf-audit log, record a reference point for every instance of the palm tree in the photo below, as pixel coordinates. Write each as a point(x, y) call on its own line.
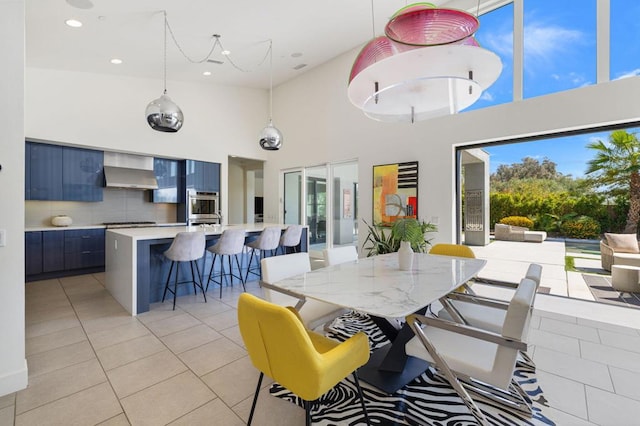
point(617, 165)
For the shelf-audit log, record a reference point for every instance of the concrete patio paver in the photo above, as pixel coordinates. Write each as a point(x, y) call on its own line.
point(509, 260)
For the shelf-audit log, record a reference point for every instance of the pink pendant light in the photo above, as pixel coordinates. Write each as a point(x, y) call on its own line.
point(428, 64)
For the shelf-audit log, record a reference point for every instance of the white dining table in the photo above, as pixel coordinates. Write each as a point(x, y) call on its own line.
point(377, 286)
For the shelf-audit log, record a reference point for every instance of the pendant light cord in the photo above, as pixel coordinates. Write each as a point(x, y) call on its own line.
point(165, 51)
point(216, 42)
point(373, 21)
point(270, 80)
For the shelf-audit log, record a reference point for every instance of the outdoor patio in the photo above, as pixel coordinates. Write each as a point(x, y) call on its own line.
point(508, 261)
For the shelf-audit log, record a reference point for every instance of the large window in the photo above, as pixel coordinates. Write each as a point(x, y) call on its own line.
point(625, 34)
point(559, 48)
point(496, 34)
point(559, 45)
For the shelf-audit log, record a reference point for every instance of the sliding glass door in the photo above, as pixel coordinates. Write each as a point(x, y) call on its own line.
point(316, 208)
point(325, 198)
point(292, 197)
point(344, 211)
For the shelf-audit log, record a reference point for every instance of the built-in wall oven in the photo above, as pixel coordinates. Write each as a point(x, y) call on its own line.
point(203, 208)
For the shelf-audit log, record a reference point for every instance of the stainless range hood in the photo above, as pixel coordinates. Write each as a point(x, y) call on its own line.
point(129, 171)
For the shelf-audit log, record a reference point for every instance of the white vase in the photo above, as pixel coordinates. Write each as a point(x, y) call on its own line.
point(61, 220)
point(405, 256)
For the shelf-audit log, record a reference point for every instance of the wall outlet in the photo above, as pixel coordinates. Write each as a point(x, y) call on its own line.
point(3, 237)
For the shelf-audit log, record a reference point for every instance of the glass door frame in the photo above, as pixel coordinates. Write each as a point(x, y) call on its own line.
point(303, 197)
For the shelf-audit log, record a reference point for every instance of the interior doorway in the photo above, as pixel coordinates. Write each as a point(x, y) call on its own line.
point(246, 190)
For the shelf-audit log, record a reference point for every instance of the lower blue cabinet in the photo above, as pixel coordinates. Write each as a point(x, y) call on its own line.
point(33, 252)
point(60, 253)
point(83, 248)
point(52, 251)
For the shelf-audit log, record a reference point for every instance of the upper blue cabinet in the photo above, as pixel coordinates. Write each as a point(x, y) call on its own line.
point(167, 173)
point(82, 174)
point(54, 172)
point(203, 176)
point(44, 169)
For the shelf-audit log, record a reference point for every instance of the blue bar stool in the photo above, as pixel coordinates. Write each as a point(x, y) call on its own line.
point(231, 243)
point(186, 247)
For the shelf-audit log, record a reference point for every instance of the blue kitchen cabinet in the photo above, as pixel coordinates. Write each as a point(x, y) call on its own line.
point(54, 172)
point(44, 166)
point(211, 178)
point(27, 171)
point(167, 172)
point(82, 174)
point(203, 176)
point(83, 248)
point(33, 252)
point(52, 251)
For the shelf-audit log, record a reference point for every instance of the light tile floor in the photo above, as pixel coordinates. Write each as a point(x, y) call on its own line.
point(90, 363)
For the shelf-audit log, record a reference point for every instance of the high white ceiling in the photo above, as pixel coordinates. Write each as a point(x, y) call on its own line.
point(303, 32)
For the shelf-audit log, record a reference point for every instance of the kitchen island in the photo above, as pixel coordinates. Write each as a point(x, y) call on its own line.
point(136, 269)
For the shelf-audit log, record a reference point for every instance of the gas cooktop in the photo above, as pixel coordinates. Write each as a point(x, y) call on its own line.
point(131, 224)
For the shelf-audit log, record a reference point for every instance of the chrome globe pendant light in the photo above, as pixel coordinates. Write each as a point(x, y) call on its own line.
point(163, 114)
point(270, 136)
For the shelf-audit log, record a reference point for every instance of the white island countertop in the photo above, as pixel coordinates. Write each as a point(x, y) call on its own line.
point(160, 232)
point(129, 266)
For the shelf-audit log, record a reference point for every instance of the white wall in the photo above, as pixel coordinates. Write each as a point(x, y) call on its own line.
point(107, 112)
point(319, 124)
point(13, 365)
point(236, 185)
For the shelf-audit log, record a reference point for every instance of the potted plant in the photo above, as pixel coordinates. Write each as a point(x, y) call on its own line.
point(380, 242)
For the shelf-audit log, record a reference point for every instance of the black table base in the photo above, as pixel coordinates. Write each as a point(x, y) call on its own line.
point(390, 381)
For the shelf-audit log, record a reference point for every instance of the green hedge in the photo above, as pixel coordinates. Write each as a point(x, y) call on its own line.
point(549, 211)
point(517, 221)
point(583, 227)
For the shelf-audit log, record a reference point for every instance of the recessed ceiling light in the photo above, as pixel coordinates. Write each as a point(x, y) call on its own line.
point(116, 61)
point(225, 52)
point(73, 23)
point(206, 73)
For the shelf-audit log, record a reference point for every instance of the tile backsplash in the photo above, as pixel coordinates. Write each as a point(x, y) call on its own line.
point(118, 205)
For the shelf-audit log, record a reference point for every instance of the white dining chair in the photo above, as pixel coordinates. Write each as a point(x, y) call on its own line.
point(478, 361)
point(483, 312)
point(313, 312)
point(337, 255)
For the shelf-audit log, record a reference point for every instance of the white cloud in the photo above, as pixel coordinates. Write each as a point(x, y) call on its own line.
point(499, 42)
point(627, 74)
point(545, 43)
point(486, 96)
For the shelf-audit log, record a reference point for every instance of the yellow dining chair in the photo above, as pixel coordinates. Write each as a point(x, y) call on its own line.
point(457, 250)
point(306, 363)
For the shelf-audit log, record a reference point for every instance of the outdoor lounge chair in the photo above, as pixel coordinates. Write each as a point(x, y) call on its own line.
point(619, 249)
point(518, 233)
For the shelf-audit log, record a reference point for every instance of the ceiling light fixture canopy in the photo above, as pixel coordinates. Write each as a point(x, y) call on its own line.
point(163, 114)
point(427, 64)
point(270, 137)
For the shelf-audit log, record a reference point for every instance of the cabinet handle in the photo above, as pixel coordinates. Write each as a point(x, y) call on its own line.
point(86, 252)
point(86, 236)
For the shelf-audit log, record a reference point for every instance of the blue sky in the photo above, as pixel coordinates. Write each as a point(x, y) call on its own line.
point(559, 54)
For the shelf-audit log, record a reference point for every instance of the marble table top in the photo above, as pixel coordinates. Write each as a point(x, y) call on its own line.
point(375, 285)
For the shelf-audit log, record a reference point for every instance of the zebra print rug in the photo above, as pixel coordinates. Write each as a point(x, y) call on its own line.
point(428, 400)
